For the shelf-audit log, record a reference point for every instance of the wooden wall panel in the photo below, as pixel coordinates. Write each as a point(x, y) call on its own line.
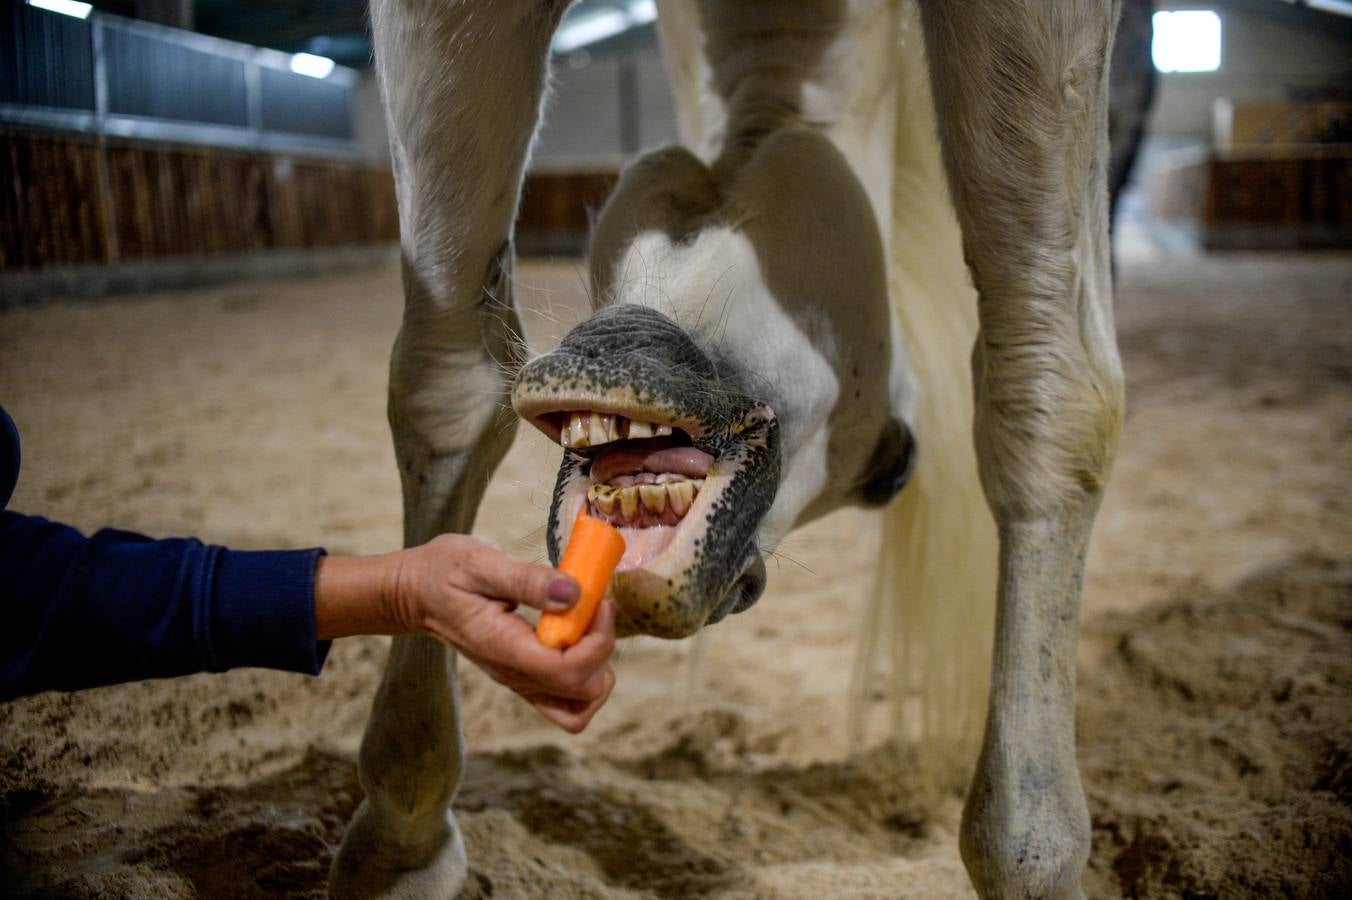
point(50, 202)
point(1254, 190)
point(69, 200)
point(1332, 192)
point(562, 202)
point(378, 218)
point(1276, 190)
point(163, 200)
point(320, 204)
point(326, 210)
point(1278, 201)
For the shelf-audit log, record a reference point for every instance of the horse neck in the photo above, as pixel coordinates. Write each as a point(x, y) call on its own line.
point(740, 73)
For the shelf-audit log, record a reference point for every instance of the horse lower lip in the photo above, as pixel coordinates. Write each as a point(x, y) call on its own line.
point(643, 545)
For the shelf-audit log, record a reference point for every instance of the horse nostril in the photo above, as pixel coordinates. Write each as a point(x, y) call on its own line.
point(891, 466)
point(744, 592)
point(750, 586)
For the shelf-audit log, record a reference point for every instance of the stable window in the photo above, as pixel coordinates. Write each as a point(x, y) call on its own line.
point(1187, 40)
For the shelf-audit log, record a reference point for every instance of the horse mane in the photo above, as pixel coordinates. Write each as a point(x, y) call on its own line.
point(929, 623)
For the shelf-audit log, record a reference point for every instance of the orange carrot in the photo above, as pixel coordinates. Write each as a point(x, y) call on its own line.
point(594, 550)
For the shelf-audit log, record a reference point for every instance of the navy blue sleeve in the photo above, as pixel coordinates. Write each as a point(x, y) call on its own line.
point(9, 457)
point(79, 612)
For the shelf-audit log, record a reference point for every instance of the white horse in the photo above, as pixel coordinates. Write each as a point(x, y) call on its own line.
point(783, 324)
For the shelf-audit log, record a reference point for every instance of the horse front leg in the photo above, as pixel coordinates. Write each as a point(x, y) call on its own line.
point(462, 84)
point(1020, 89)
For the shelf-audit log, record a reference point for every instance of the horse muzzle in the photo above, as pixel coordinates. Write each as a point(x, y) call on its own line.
point(659, 441)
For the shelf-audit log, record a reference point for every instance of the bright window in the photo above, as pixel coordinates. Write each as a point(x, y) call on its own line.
point(65, 7)
point(309, 64)
point(1187, 40)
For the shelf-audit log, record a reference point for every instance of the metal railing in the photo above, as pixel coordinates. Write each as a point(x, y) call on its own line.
point(107, 75)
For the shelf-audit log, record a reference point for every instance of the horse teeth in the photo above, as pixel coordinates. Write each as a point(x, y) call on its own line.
point(680, 494)
point(597, 432)
point(654, 497)
point(604, 498)
point(577, 430)
point(629, 502)
point(592, 429)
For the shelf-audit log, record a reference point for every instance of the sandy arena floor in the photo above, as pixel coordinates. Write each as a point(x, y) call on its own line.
point(1216, 669)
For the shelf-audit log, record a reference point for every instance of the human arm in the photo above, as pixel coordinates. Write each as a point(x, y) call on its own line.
point(81, 612)
point(78, 612)
point(463, 592)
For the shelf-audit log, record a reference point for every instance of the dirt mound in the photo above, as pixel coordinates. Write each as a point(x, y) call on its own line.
point(695, 816)
point(690, 817)
point(1216, 746)
point(1216, 741)
point(270, 838)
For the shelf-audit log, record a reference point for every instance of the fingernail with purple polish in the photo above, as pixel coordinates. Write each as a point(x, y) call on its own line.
point(562, 592)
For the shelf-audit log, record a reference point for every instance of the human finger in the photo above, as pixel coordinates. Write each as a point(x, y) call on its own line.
point(494, 574)
point(508, 650)
point(573, 715)
point(597, 645)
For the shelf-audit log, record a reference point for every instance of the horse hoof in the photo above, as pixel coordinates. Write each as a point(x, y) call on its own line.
point(370, 864)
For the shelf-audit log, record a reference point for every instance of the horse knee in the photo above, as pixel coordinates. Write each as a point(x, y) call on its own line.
point(453, 363)
point(1048, 414)
point(441, 402)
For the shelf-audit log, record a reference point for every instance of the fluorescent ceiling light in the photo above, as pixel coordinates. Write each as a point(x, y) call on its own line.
point(641, 12)
point(65, 7)
point(1337, 7)
point(311, 65)
point(590, 30)
point(597, 27)
point(1187, 40)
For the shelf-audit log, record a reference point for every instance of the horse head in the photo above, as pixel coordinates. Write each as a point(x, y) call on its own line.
point(741, 374)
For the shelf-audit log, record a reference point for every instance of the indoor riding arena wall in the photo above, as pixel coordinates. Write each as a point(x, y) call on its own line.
point(75, 200)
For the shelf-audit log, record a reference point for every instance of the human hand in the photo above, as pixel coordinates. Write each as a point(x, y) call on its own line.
point(463, 592)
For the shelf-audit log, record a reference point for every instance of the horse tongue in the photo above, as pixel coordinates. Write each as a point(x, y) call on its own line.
point(617, 461)
point(685, 461)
